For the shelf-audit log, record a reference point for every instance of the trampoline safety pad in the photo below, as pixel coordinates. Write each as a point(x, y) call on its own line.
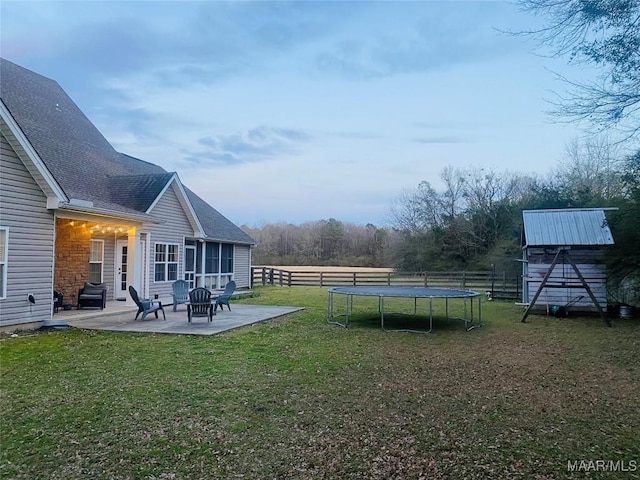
point(471, 317)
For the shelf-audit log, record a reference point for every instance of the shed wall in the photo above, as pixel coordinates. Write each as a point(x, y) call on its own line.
point(589, 263)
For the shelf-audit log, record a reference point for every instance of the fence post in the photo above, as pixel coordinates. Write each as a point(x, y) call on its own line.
point(389, 278)
point(321, 279)
point(464, 279)
point(289, 280)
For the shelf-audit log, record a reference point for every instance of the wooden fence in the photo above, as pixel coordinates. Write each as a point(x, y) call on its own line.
point(483, 281)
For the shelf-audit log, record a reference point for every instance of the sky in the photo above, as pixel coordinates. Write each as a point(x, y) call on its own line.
point(302, 111)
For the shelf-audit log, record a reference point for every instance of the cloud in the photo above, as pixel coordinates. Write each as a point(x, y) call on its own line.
point(199, 40)
point(255, 145)
point(440, 139)
point(434, 38)
point(206, 42)
point(358, 135)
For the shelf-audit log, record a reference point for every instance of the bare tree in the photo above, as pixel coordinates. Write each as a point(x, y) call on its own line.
point(605, 33)
point(417, 210)
point(590, 170)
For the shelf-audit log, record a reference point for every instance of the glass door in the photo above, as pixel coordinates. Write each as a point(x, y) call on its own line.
point(121, 269)
point(190, 265)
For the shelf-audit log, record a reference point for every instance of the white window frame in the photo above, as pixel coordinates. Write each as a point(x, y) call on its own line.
point(232, 258)
point(4, 261)
point(95, 261)
point(166, 262)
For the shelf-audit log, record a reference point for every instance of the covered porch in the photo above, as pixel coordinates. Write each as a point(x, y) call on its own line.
point(99, 250)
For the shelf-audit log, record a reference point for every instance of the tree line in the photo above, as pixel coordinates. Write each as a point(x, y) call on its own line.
point(323, 242)
point(473, 221)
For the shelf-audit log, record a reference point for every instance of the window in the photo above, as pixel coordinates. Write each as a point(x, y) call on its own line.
point(96, 255)
point(227, 258)
point(166, 262)
point(4, 247)
point(211, 257)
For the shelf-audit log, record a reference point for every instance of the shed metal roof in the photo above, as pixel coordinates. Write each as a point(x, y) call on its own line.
point(566, 227)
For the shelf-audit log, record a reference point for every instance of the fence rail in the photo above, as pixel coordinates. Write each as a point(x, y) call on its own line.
point(485, 281)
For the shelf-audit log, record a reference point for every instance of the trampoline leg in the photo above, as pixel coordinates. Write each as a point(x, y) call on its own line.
point(479, 324)
point(330, 316)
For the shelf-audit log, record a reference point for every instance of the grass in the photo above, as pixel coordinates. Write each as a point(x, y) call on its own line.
point(299, 398)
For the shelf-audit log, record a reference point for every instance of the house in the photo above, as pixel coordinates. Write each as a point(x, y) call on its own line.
point(73, 209)
point(563, 259)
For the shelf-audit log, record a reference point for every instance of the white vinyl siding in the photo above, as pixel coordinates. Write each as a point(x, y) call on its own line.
point(4, 236)
point(242, 260)
point(172, 228)
point(30, 245)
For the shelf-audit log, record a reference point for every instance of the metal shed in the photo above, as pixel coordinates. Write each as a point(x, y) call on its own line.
point(563, 260)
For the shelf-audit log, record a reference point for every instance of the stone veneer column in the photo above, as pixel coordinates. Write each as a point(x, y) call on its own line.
point(72, 252)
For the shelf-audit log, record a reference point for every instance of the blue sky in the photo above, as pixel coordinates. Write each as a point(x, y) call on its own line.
point(301, 111)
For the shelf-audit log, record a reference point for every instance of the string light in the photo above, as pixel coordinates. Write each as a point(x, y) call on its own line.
point(104, 228)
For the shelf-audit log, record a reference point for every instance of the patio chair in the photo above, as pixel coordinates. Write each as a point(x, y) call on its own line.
point(180, 292)
point(58, 301)
point(92, 295)
point(226, 295)
point(145, 307)
point(199, 304)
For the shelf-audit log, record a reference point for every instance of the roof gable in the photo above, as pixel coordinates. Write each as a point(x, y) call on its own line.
point(566, 227)
point(216, 226)
point(29, 157)
point(70, 146)
point(138, 192)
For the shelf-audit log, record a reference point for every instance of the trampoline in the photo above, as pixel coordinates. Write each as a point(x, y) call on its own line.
point(470, 318)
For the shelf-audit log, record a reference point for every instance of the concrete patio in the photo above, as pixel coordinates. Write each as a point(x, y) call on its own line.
point(118, 317)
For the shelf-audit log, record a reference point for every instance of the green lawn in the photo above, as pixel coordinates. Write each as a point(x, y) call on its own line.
point(299, 398)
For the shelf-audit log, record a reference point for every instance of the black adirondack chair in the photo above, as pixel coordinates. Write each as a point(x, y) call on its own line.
point(145, 307)
point(226, 295)
point(180, 290)
point(199, 304)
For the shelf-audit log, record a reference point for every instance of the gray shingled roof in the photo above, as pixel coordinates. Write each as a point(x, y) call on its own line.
point(71, 147)
point(82, 161)
point(566, 227)
point(137, 191)
point(215, 225)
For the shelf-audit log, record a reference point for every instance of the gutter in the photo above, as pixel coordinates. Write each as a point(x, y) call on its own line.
point(87, 208)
